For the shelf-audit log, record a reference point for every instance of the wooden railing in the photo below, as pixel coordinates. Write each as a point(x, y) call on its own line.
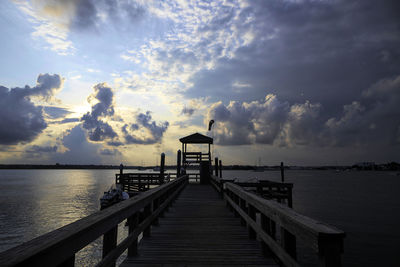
point(271, 190)
point(195, 157)
point(325, 240)
point(193, 177)
point(133, 182)
point(58, 247)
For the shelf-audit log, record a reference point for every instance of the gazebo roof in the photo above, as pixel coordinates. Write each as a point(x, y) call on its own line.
point(196, 138)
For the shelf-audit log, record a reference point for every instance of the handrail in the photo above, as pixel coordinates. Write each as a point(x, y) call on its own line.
point(326, 240)
point(59, 246)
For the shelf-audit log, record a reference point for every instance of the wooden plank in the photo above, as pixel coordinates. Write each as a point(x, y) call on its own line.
point(198, 230)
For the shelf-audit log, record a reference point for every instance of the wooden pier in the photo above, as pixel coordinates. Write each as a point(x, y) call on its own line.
point(198, 230)
point(212, 223)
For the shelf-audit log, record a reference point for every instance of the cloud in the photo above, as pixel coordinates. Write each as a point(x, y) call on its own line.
point(53, 21)
point(109, 152)
point(20, 119)
point(55, 112)
point(97, 129)
point(41, 149)
point(79, 150)
point(188, 111)
point(144, 131)
point(241, 123)
point(368, 122)
point(300, 52)
point(68, 120)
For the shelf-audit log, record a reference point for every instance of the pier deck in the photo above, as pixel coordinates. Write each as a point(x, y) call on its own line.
point(199, 230)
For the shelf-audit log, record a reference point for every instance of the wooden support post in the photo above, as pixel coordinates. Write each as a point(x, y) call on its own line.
point(110, 242)
point(264, 221)
point(251, 211)
point(282, 173)
point(290, 197)
point(220, 169)
point(162, 168)
point(288, 242)
point(330, 250)
point(216, 166)
point(121, 169)
point(178, 164)
point(133, 222)
point(147, 213)
point(272, 229)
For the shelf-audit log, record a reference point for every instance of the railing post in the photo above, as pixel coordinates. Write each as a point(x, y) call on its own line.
point(155, 207)
point(220, 169)
point(216, 166)
point(178, 164)
point(329, 251)
point(282, 173)
point(162, 167)
point(251, 211)
point(133, 222)
point(147, 213)
point(264, 221)
point(290, 197)
point(110, 241)
point(288, 241)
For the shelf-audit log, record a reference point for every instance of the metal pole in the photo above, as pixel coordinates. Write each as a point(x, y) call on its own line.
point(282, 173)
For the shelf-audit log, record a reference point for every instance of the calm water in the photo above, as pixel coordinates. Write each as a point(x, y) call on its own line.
point(364, 204)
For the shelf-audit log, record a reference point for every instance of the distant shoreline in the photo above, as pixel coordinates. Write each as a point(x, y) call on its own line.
point(393, 166)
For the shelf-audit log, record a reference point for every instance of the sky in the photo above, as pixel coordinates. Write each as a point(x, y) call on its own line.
point(306, 82)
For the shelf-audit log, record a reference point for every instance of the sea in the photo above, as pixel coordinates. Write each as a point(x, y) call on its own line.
point(364, 204)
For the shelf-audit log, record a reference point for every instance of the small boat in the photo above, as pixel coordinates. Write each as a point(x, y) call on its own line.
point(112, 196)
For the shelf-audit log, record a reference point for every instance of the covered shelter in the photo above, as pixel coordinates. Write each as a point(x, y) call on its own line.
point(195, 157)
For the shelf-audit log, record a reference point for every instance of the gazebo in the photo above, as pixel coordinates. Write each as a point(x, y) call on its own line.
point(195, 157)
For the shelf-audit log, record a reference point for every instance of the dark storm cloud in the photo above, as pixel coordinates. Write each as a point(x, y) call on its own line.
point(99, 130)
point(323, 51)
point(20, 119)
point(334, 65)
point(370, 122)
point(144, 131)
